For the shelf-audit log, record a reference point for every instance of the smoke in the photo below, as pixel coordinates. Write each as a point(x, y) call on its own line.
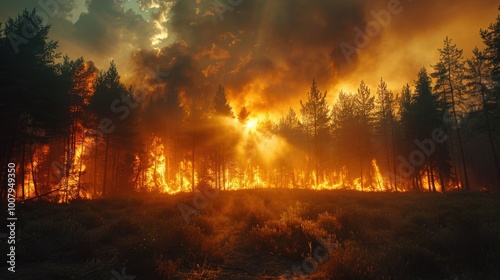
point(265, 53)
point(97, 30)
point(262, 51)
point(107, 28)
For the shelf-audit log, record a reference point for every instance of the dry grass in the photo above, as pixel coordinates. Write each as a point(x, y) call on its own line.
point(265, 233)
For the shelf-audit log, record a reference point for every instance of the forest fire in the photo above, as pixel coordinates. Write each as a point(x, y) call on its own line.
point(171, 127)
point(229, 154)
point(257, 156)
point(155, 173)
point(233, 139)
point(75, 187)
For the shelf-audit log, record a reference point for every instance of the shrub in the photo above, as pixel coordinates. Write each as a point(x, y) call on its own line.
point(350, 261)
point(291, 236)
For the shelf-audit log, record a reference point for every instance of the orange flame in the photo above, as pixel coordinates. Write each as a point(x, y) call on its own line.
point(155, 174)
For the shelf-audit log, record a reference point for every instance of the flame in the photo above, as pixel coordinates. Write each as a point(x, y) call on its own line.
point(261, 159)
point(335, 181)
point(32, 168)
point(428, 185)
point(379, 179)
point(254, 166)
point(75, 185)
point(155, 174)
point(183, 178)
point(72, 186)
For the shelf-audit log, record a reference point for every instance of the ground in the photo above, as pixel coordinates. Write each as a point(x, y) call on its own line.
point(261, 234)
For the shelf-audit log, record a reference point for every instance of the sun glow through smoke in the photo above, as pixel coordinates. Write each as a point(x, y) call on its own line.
point(251, 125)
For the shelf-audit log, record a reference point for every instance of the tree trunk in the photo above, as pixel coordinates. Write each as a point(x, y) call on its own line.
point(33, 173)
point(80, 164)
point(115, 170)
point(460, 146)
point(432, 179)
point(192, 163)
point(441, 180)
point(22, 167)
point(490, 135)
point(95, 164)
point(428, 177)
point(49, 165)
point(361, 173)
point(394, 154)
point(106, 152)
point(223, 168)
point(155, 158)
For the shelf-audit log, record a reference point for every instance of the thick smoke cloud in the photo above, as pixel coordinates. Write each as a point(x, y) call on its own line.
point(261, 51)
point(264, 52)
point(106, 28)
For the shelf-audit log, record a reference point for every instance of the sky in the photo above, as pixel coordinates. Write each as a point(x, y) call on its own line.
point(264, 52)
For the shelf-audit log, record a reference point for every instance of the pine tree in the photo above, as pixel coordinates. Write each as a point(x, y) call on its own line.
point(221, 108)
point(449, 74)
point(316, 120)
point(426, 116)
point(32, 103)
point(77, 77)
point(385, 122)
point(243, 115)
point(289, 127)
point(345, 131)
point(478, 75)
point(221, 105)
point(491, 38)
point(406, 133)
point(114, 122)
point(364, 105)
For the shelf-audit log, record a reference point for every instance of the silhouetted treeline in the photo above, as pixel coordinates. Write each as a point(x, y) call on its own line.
point(75, 131)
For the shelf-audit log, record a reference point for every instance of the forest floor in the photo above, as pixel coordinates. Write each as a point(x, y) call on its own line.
point(261, 234)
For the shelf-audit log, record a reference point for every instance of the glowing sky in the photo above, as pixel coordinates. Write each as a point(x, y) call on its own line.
point(265, 52)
